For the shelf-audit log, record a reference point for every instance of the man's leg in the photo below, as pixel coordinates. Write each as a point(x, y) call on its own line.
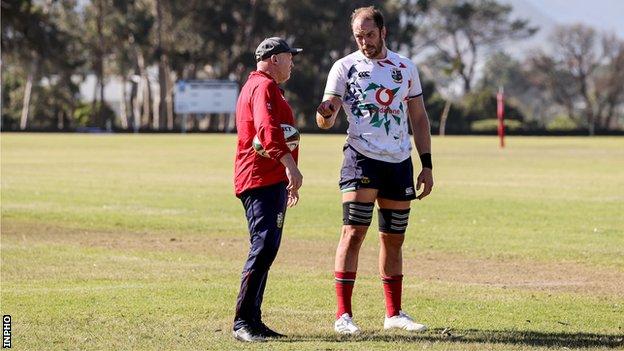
point(265, 209)
point(393, 219)
point(357, 214)
point(260, 297)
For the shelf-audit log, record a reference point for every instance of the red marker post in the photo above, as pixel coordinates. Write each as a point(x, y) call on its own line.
point(500, 111)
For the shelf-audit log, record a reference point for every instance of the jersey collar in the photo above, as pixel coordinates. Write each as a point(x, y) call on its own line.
point(389, 55)
point(263, 74)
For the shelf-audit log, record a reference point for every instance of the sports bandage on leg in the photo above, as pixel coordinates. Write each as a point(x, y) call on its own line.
point(393, 221)
point(357, 213)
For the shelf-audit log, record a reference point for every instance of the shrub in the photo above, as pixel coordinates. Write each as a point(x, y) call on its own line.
point(83, 113)
point(561, 123)
point(491, 125)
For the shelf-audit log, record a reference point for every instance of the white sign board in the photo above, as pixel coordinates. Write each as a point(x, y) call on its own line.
point(205, 96)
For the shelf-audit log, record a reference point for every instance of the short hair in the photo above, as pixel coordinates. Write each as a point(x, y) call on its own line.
point(370, 13)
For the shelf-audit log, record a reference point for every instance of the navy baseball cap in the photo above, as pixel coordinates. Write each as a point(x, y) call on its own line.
point(274, 46)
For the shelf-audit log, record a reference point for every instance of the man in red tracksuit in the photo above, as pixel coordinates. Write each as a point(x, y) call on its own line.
point(265, 185)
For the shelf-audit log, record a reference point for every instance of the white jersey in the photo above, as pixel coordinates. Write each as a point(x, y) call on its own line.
point(374, 96)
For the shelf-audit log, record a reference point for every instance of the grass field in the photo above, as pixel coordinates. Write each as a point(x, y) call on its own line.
point(137, 243)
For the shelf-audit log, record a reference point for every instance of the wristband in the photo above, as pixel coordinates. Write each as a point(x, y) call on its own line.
point(425, 160)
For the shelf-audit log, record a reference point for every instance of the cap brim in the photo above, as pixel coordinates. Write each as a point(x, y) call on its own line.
point(295, 51)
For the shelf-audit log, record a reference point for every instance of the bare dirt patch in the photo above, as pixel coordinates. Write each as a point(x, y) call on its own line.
point(461, 269)
point(311, 255)
point(524, 274)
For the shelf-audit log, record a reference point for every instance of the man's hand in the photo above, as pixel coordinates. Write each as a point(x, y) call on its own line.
point(295, 179)
point(293, 198)
point(326, 109)
point(424, 178)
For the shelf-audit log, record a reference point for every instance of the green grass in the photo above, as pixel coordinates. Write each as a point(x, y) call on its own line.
point(137, 242)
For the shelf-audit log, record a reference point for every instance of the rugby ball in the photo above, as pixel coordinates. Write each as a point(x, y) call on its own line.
point(291, 135)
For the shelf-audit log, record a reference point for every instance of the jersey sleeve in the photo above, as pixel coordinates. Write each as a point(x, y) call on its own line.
point(266, 121)
point(415, 89)
point(336, 81)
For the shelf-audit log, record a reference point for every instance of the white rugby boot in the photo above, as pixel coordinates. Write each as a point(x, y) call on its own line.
point(403, 321)
point(345, 325)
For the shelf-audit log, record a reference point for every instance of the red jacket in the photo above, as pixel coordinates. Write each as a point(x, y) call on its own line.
point(260, 109)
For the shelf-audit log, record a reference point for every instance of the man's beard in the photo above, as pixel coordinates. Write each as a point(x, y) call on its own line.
point(373, 50)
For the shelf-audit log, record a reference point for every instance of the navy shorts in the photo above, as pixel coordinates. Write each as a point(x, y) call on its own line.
point(395, 181)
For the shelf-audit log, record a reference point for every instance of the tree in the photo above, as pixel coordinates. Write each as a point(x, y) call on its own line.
point(131, 22)
point(502, 70)
point(583, 73)
point(98, 43)
point(24, 36)
point(459, 32)
point(557, 84)
point(577, 48)
point(609, 83)
point(39, 49)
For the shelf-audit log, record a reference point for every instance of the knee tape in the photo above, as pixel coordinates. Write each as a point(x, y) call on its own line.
point(393, 221)
point(357, 213)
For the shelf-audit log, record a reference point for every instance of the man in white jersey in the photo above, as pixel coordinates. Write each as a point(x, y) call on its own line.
point(379, 91)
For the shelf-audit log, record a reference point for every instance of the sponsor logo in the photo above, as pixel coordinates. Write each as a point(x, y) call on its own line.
point(409, 191)
point(364, 75)
point(384, 96)
point(280, 219)
point(387, 109)
point(381, 113)
point(365, 180)
point(397, 77)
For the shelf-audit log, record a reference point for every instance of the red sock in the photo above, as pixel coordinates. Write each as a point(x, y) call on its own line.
point(392, 291)
point(344, 289)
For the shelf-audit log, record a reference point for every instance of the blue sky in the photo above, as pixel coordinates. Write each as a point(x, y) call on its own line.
point(602, 14)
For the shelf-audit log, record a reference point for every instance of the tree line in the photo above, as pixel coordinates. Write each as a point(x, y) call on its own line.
point(49, 48)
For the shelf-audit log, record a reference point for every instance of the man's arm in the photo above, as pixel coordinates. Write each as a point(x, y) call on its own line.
point(271, 137)
point(422, 139)
point(266, 120)
point(327, 111)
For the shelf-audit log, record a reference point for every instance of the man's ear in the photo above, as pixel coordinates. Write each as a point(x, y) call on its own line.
point(383, 32)
point(274, 59)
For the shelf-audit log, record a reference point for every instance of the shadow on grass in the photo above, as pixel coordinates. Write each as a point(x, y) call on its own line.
point(528, 338)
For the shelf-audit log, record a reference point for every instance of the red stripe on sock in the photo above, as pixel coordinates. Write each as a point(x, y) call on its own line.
point(343, 293)
point(393, 287)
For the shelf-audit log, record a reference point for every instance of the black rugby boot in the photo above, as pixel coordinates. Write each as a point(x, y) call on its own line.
point(268, 332)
